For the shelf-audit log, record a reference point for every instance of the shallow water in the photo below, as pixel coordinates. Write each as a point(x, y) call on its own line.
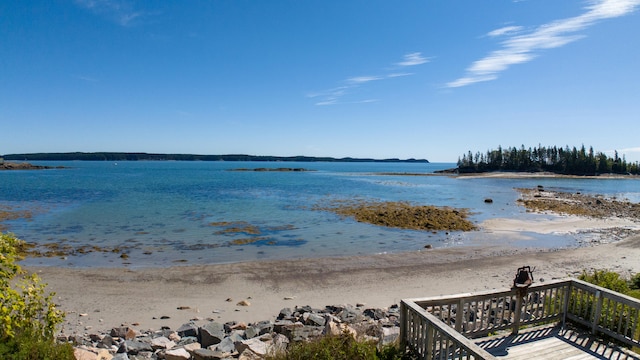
point(167, 213)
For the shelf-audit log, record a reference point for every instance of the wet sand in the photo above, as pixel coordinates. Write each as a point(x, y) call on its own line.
point(99, 299)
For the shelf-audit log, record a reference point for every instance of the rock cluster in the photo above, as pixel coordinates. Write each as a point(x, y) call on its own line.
point(233, 340)
point(25, 166)
point(595, 206)
point(402, 215)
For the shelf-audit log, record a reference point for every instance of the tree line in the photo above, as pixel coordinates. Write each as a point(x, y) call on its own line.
point(568, 161)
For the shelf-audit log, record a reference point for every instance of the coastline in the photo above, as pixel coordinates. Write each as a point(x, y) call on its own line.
point(101, 298)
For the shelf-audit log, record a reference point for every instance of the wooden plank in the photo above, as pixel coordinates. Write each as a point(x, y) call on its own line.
point(551, 343)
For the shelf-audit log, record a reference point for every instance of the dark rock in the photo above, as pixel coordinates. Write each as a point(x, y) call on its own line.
point(188, 329)
point(314, 319)
point(227, 345)
point(349, 315)
point(303, 309)
point(285, 313)
point(375, 314)
point(211, 334)
point(280, 324)
point(304, 333)
point(187, 340)
point(135, 346)
point(120, 332)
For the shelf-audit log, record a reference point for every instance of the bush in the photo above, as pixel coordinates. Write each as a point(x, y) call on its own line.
point(28, 316)
point(607, 279)
point(340, 347)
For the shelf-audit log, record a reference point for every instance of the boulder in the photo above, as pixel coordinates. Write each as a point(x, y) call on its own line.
point(390, 335)
point(162, 342)
point(211, 334)
point(82, 354)
point(313, 319)
point(255, 345)
point(177, 354)
point(120, 332)
point(135, 346)
point(285, 313)
point(187, 340)
point(334, 328)
point(206, 354)
point(191, 348)
point(278, 344)
point(188, 329)
point(375, 314)
point(250, 355)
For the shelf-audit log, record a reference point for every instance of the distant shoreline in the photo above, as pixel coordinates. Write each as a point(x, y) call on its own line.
point(125, 156)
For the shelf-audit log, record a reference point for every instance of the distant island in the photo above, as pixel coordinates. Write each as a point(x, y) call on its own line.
point(557, 160)
point(124, 156)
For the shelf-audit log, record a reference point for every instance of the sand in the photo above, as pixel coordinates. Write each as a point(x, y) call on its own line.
point(99, 299)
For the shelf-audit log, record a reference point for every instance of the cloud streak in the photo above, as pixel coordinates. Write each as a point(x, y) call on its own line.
point(413, 59)
point(521, 46)
point(333, 96)
point(120, 11)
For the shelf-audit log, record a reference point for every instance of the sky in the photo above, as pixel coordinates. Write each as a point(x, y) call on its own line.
point(428, 79)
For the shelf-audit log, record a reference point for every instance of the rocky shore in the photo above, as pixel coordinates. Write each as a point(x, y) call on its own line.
point(237, 340)
point(25, 166)
point(594, 206)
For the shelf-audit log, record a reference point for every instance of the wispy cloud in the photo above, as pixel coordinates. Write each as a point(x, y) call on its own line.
point(363, 79)
point(413, 59)
point(335, 95)
point(505, 31)
point(522, 47)
point(120, 11)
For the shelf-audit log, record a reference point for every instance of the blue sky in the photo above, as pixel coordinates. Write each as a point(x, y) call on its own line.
point(362, 78)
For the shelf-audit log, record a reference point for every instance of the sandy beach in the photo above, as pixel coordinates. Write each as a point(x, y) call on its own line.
point(98, 299)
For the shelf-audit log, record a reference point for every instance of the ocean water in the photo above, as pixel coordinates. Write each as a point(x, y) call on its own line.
point(182, 213)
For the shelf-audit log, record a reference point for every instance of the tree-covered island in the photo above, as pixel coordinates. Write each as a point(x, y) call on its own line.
point(565, 161)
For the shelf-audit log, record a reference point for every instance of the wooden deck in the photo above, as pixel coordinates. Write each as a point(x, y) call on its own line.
point(552, 342)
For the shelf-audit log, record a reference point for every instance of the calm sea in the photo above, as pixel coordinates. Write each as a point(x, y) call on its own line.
point(172, 213)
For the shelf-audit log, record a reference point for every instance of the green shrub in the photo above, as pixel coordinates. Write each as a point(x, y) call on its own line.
point(28, 316)
point(340, 347)
point(26, 346)
point(635, 282)
point(607, 279)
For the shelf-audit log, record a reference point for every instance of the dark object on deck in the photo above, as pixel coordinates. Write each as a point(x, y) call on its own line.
point(524, 279)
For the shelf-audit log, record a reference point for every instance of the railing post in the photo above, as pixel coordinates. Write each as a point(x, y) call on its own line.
point(598, 311)
point(403, 326)
point(459, 315)
point(430, 331)
point(565, 304)
point(518, 314)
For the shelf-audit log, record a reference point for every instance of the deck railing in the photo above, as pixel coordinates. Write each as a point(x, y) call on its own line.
point(440, 327)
